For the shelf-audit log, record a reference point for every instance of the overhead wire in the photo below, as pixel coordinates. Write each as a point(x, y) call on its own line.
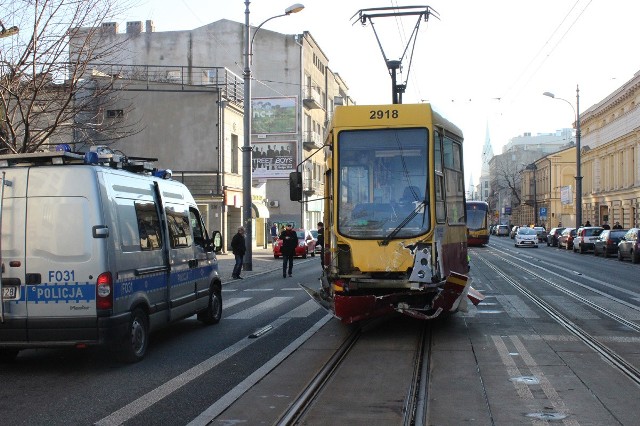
point(547, 55)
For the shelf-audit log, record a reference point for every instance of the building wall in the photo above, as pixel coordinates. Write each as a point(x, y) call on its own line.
point(611, 157)
point(281, 66)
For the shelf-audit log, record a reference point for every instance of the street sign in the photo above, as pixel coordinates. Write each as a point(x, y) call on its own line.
point(543, 212)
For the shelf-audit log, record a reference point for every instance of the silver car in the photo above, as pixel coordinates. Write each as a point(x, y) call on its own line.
point(526, 237)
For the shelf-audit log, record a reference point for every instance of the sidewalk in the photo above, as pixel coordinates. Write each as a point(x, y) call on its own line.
point(262, 262)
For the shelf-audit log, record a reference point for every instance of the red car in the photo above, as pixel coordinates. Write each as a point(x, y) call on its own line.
point(306, 245)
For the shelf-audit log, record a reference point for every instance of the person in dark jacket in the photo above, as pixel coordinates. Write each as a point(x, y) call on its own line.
point(238, 246)
point(288, 249)
point(320, 242)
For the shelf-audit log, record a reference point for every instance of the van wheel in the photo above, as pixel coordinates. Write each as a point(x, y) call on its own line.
point(213, 313)
point(136, 341)
point(8, 355)
point(304, 256)
point(635, 258)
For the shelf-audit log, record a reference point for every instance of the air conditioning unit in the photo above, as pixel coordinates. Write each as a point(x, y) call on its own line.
point(274, 203)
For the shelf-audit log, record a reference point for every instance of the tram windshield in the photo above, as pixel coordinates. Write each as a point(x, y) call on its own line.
point(476, 217)
point(383, 183)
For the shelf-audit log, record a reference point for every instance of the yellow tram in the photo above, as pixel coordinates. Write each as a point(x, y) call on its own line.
point(395, 228)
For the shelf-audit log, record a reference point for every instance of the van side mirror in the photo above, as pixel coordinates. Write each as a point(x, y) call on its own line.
point(295, 186)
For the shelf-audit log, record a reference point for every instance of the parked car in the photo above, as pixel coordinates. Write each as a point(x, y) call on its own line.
point(583, 241)
point(566, 238)
point(502, 230)
point(553, 235)
point(541, 233)
point(317, 248)
point(513, 232)
point(526, 237)
point(306, 245)
point(607, 242)
point(629, 246)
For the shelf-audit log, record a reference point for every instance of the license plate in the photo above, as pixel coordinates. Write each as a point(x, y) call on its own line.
point(10, 292)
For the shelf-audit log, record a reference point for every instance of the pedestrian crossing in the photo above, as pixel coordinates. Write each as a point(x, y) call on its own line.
point(514, 306)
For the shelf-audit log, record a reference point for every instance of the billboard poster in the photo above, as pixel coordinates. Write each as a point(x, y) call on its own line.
point(274, 115)
point(273, 159)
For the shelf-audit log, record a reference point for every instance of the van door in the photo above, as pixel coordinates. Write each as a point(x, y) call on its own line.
point(204, 260)
point(13, 309)
point(63, 254)
point(182, 282)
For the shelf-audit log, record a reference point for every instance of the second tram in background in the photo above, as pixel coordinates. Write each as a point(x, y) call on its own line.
point(395, 230)
point(477, 223)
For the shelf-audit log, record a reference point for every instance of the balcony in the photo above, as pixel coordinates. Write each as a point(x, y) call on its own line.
point(312, 98)
point(311, 140)
point(310, 186)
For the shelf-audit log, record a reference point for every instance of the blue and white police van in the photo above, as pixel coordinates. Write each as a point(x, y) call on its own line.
point(96, 249)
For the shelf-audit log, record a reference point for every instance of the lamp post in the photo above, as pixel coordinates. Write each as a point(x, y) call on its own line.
point(246, 147)
point(576, 111)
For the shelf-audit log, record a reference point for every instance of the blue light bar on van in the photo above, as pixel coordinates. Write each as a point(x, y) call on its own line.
point(163, 174)
point(63, 147)
point(91, 158)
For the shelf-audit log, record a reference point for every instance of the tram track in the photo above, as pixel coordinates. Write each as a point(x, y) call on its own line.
point(414, 406)
point(615, 359)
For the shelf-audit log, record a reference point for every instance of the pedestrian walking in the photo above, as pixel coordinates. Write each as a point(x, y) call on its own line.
point(288, 249)
point(274, 233)
point(617, 226)
point(605, 226)
point(238, 246)
point(320, 241)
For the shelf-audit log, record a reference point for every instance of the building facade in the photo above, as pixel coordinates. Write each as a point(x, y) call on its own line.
point(293, 97)
point(611, 157)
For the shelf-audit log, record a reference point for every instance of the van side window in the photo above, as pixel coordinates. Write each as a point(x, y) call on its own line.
point(179, 228)
point(196, 227)
point(148, 226)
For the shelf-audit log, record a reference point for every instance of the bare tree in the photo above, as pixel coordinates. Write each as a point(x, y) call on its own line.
point(508, 178)
point(50, 92)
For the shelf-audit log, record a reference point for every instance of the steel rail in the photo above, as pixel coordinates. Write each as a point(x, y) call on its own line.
point(611, 356)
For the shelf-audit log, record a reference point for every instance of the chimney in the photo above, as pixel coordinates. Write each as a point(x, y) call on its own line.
point(134, 27)
point(110, 27)
point(151, 27)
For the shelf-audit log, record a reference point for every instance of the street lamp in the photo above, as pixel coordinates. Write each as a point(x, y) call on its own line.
point(246, 147)
point(576, 111)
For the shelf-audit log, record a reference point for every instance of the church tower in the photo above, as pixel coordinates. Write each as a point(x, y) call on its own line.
point(487, 155)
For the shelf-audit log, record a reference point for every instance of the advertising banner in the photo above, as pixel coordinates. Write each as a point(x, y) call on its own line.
point(274, 115)
point(274, 159)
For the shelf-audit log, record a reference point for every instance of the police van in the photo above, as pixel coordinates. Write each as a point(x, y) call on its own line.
point(98, 249)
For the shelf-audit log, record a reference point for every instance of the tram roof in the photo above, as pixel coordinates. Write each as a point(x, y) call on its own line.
point(360, 116)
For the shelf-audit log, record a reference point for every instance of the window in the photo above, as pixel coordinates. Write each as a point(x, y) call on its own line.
point(196, 227)
point(454, 180)
point(149, 230)
point(234, 153)
point(179, 228)
point(115, 113)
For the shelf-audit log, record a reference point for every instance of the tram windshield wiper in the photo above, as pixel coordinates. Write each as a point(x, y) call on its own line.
point(422, 204)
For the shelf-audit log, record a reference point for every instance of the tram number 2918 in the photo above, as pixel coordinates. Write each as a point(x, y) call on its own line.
point(379, 114)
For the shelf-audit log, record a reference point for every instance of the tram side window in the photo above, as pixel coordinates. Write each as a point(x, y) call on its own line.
point(437, 155)
point(454, 178)
point(439, 182)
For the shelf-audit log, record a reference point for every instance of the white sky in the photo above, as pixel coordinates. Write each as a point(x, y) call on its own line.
point(483, 62)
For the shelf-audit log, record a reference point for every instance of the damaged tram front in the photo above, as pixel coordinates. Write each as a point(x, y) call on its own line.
point(395, 231)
